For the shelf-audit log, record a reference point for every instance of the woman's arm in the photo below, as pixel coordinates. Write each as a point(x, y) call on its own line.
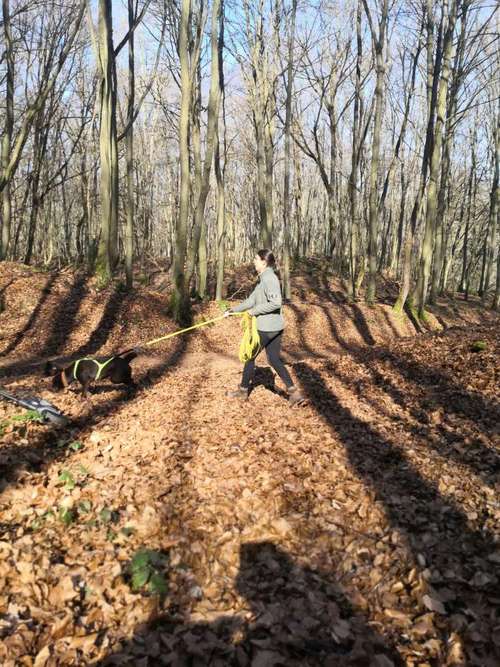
point(245, 305)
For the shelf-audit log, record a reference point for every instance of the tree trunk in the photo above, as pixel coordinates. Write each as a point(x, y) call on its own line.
point(38, 155)
point(287, 290)
point(180, 297)
point(353, 179)
point(493, 212)
point(129, 228)
point(435, 158)
point(108, 144)
point(457, 76)
point(220, 172)
point(470, 190)
point(8, 127)
point(213, 119)
point(496, 298)
point(221, 224)
point(379, 45)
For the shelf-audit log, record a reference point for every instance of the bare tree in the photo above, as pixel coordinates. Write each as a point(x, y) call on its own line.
point(63, 27)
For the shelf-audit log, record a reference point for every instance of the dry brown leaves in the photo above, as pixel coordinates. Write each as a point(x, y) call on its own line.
point(361, 530)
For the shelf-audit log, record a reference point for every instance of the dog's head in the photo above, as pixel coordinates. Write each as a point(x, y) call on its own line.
point(58, 373)
point(51, 368)
point(60, 380)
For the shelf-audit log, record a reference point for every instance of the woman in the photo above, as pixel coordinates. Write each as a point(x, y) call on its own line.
point(265, 304)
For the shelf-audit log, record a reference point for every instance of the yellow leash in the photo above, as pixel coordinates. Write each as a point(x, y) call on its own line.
point(181, 331)
point(250, 342)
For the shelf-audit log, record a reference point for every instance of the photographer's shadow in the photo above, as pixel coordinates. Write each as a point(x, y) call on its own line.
point(292, 616)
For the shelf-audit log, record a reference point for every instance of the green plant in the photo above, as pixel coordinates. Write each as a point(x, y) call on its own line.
point(66, 516)
point(24, 417)
point(145, 569)
point(66, 478)
point(84, 507)
point(70, 478)
point(75, 446)
point(224, 305)
point(107, 515)
point(478, 346)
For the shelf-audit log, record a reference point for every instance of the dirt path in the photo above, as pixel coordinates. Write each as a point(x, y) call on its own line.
point(360, 530)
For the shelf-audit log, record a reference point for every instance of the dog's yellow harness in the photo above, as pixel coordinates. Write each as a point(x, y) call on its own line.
point(100, 366)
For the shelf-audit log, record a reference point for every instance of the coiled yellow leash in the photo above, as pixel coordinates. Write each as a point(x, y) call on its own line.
point(250, 342)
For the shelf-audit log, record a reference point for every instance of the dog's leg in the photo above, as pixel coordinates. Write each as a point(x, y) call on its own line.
point(85, 389)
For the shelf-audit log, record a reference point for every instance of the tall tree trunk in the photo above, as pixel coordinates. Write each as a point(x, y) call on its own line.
point(221, 224)
point(38, 156)
point(432, 78)
point(8, 127)
point(470, 196)
point(287, 290)
point(397, 239)
point(435, 158)
point(108, 145)
point(494, 206)
point(267, 237)
point(213, 119)
point(129, 228)
point(378, 45)
point(353, 179)
point(220, 172)
point(496, 298)
point(470, 221)
point(180, 297)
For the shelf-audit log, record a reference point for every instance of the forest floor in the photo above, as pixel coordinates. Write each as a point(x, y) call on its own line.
point(171, 526)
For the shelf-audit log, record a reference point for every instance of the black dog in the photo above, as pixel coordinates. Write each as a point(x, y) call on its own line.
point(87, 370)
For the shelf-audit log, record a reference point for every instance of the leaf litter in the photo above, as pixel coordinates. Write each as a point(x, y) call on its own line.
point(174, 527)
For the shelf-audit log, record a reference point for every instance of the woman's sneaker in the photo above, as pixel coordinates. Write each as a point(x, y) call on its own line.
point(241, 393)
point(295, 397)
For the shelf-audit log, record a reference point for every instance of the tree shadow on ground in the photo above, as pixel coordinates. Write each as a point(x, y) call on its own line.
point(441, 393)
point(102, 331)
point(42, 449)
point(65, 315)
point(429, 525)
point(290, 615)
point(32, 318)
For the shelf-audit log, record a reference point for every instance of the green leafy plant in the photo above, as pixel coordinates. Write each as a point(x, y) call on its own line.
point(75, 446)
point(66, 478)
point(146, 570)
point(66, 516)
point(478, 346)
point(223, 305)
point(107, 515)
point(28, 416)
point(24, 417)
point(39, 522)
point(70, 478)
point(84, 507)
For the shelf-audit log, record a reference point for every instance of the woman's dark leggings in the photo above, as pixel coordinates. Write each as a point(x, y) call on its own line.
point(271, 341)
